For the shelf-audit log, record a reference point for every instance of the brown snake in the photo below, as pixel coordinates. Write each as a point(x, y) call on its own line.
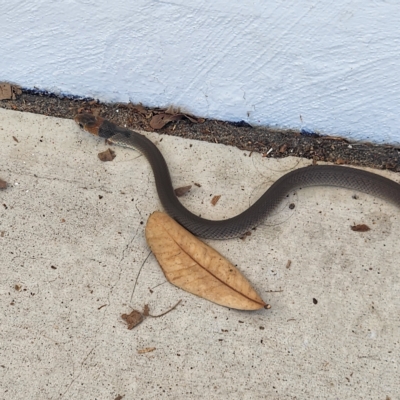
point(317, 175)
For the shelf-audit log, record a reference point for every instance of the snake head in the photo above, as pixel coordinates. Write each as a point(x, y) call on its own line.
point(88, 122)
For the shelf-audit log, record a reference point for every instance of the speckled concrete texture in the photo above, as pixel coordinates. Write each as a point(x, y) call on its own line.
point(72, 245)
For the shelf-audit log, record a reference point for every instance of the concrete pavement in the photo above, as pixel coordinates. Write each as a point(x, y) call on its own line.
point(72, 244)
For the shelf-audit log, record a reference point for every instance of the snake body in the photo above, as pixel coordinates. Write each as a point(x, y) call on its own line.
point(317, 175)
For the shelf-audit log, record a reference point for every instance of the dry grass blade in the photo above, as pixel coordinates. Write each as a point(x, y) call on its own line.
point(195, 267)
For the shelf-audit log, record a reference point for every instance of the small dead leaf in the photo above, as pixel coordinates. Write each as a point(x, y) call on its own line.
point(172, 114)
point(5, 91)
point(360, 228)
point(197, 184)
point(3, 184)
point(8, 91)
point(146, 310)
point(146, 350)
point(193, 119)
point(15, 139)
point(119, 397)
point(288, 264)
point(215, 199)
point(160, 120)
point(96, 111)
point(197, 268)
point(283, 148)
point(133, 319)
point(172, 110)
point(136, 317)
point(107, 155)
point(138, 108)
point(340, 161)
point(2, 233)
point(179, 192)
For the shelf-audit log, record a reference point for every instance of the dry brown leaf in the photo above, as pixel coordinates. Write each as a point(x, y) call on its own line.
point(160, 120)
point(96, 111)
point(179, 192)
point(197, 268)
point(8, 91)
point(139, 108)
point(107, 155)
point(3, 184)
point(193, 119)
point(172, 110)
point(283, 148)
point(133, 319)
point(136, 317)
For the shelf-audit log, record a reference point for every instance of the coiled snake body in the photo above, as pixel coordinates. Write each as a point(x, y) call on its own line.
point(317, 175)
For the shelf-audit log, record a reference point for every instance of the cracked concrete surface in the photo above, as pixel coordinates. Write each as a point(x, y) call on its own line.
point(72, 245)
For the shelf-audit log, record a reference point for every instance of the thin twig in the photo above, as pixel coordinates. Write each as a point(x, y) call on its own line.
point(137, 277)
point(166, 312)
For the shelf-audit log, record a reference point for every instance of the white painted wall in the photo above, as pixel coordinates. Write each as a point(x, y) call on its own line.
point(328, 66)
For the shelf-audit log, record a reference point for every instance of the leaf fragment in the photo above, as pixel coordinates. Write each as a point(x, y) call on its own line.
point(215, 199)
point(107, 155)
point(133, 319)
point(181, 191)
point(197, 268)
point(139, 108)
point(9, 91)
point(360, 228)
point(160, 120)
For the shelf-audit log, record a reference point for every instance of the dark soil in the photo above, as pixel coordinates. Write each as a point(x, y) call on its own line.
point(270, 142)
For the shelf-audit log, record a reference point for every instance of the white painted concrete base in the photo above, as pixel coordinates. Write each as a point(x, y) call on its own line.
point(324, 66)
point(72, 244)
